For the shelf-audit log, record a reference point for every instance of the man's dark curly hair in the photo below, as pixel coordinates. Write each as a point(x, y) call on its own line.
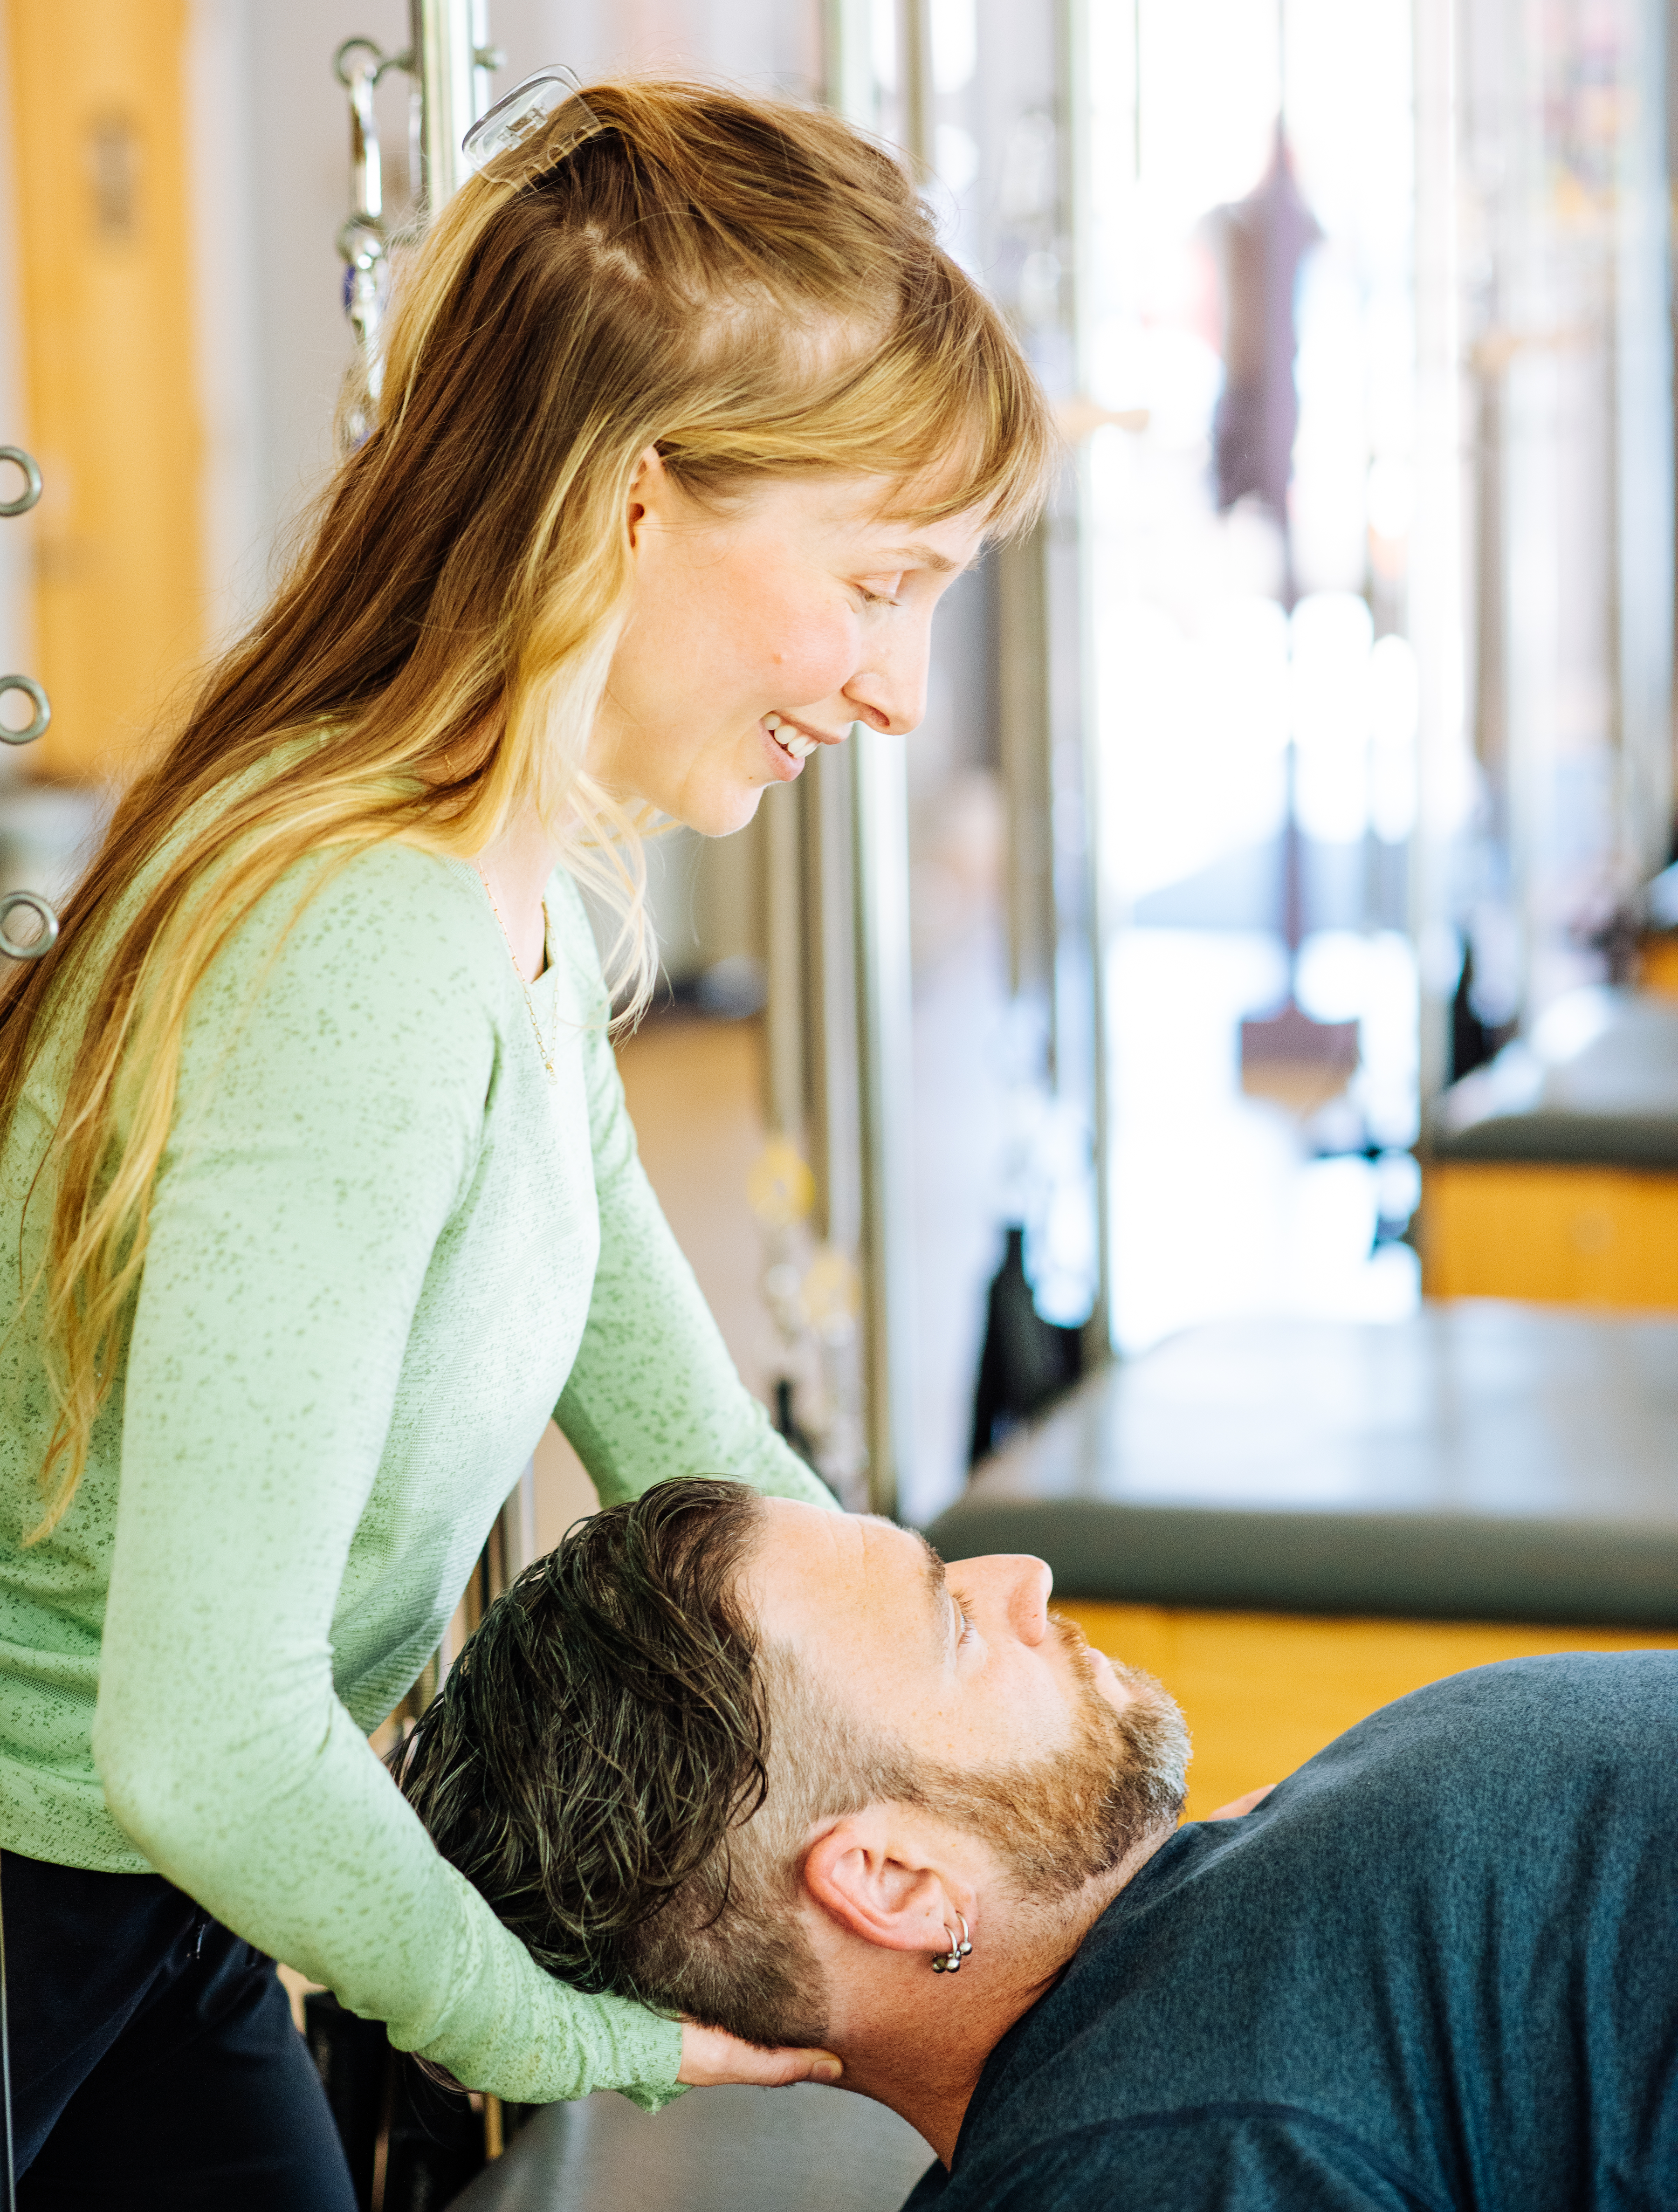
point(602, 1731)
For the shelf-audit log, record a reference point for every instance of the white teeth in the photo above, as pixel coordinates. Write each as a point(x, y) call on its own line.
point(790, 738)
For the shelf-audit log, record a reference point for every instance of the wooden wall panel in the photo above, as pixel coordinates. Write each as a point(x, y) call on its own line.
point(107, 315)
point(1568, 1236)
point(1263, 1692)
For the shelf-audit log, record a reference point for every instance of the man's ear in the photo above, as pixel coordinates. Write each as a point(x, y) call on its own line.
point(873, 1874)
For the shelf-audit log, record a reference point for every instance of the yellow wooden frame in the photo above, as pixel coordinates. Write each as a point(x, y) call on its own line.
point(1550, 1233)
point(99, 132)
point(1263, 1692)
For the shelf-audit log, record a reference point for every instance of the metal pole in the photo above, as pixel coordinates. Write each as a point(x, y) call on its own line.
point(852, 90)
point(1443, 609)
point(885, 1050)
point(450, 59)
point(856, 854)
point(1097, 918)
point(1642, 566)
point(920, 91)
point(784, 926)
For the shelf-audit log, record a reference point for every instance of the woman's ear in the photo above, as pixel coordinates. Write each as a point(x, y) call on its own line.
point(871, 1875)
point(647, 488)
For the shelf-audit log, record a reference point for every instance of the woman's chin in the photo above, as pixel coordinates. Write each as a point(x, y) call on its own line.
point(721, 813)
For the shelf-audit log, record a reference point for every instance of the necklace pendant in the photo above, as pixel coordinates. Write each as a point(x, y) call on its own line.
point(544, 1049)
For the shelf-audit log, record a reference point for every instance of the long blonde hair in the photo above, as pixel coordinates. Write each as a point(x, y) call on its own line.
point(750, 287)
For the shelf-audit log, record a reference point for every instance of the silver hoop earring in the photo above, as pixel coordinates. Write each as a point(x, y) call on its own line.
point(959, 1951)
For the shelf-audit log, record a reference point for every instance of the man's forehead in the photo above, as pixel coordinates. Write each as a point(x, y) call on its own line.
point(811, 1565)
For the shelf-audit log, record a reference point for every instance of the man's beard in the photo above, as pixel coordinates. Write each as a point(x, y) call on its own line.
point(1061, 1822)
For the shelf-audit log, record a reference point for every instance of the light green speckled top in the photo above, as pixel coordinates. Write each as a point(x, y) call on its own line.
point(385, 1246)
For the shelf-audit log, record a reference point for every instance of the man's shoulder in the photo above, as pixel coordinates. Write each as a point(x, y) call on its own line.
point(1217, 2158)
point(1483, 1741)
point(1523, 1813)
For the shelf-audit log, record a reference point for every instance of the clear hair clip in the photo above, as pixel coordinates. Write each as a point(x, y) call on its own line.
point(525, 114)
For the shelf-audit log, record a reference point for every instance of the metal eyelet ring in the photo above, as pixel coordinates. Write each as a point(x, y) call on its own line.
point(31, 491)
point(950, 1964)
point(378, 61)
point(36, 726)
point(37, 905)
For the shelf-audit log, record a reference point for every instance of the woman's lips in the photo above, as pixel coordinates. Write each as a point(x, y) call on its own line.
point(789, 744)
point(800, 745)
point(782, 762)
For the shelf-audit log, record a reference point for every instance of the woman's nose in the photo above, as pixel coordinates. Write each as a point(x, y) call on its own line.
point(890, 693)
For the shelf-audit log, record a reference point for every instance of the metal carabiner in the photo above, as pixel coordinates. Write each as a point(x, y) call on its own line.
point(36, 726)
point(31, 473)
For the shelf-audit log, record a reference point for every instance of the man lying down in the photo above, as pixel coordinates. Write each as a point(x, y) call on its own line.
point(784, 1788)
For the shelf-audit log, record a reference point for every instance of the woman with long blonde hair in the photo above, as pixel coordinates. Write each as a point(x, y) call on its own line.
point(315, 1165)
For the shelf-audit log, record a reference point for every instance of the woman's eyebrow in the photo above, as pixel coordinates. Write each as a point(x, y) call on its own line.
point(927, 556)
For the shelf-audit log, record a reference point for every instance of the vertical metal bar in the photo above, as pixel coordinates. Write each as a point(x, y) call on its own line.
point(1642, 458)
point(1025, 741)
point(919, 109)
point(1438, 612)
point(828, 791)
point(857, 850)
point(447, 37)
point(885, 1046)
point(848, 62)
point(366, 173)
point(450, 41)
point(784, 923)
point(1072, 27)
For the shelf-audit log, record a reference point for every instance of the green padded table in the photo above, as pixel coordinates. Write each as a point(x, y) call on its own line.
point(803, 2149)
point(1481, 1461)
point(1597, 1086)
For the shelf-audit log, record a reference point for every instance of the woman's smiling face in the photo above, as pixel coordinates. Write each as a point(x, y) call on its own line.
point(757, 631)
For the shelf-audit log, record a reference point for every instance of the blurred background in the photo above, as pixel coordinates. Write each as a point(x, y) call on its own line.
point(1311, 762)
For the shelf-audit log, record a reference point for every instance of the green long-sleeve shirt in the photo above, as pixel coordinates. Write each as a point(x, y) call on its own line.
point(385, 1246)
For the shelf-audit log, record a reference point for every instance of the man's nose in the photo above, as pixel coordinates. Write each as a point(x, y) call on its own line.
point(1019, 1586)
point(890, 693)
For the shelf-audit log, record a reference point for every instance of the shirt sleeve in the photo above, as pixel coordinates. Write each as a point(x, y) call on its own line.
point(325, 1134)
point(1221, 2159)
point(653, 1393)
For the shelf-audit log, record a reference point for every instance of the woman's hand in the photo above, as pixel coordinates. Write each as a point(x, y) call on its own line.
point(1238, 1805)
point(710, 2058)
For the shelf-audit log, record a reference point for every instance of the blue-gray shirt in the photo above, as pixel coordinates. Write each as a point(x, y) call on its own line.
point(1438, 1967)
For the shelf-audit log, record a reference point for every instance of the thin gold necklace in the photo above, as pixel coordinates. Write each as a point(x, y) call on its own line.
point(547, 1050)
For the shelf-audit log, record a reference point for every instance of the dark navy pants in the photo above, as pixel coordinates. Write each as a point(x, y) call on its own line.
point(155, 2064)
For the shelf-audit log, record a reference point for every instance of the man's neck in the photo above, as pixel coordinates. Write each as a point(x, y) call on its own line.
point(926, 2069)
point(918, 2042)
